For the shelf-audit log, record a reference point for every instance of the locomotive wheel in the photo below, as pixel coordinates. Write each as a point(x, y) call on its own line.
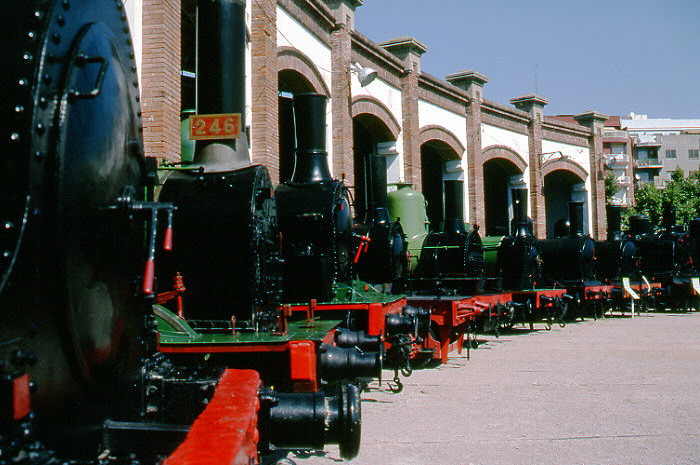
point(73, 143)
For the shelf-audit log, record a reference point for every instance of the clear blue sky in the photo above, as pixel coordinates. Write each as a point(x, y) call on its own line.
point(612, 56)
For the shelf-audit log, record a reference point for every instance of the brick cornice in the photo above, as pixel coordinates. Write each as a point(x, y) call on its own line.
point(364, 46)
point(443, 89)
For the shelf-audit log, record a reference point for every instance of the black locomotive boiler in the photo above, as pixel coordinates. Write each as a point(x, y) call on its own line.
point(451, 261)
point(314, 213)
point(72, 236)
point(570, 258)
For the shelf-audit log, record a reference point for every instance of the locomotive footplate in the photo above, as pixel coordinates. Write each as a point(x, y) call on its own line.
point(360, 303)
point(453, 318)
point(590, 300)
point(300, 359)
point(548, 305)
point(287, 360)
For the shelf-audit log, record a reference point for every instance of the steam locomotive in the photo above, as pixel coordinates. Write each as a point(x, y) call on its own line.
point(139, 307)
point(97, 353)
point(668, 260)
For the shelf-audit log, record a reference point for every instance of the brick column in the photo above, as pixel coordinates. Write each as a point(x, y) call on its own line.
point(341, 52)
point(340, 105)
point(264, 124)
point(473, 83)
point(160, 78)
point(595, 121)
point(534, 105)
point(409, 50)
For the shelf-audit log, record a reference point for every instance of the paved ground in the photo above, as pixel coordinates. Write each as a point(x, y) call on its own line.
point(613, 391)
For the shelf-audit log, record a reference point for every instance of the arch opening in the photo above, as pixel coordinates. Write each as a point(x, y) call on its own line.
point(500, 176)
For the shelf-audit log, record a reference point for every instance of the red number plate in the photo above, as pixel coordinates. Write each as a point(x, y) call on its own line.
point(204, 127)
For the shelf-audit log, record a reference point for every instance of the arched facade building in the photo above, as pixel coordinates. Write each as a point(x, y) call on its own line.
point(430, 129)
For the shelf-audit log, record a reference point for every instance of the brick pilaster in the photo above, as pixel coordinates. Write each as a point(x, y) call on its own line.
point(473, 83)
point(534, 105)
point(595, 121)
point(264, 125)
point(160, 78)
point(340, 88)
point(411, 129)
point(409, 50)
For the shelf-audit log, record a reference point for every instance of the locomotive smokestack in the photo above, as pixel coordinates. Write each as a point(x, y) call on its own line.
point(576, 218)
point(614, 224)
point(640, 224)
point(311, 157)
point(454, 207)
point(669, 217)
point(380, 199)
point(221, 87)
point(286, 138)
point(520, 223)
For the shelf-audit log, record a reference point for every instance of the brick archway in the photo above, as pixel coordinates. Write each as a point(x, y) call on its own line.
point(370, 105)
point(565, 164)
point(289, 58)
point(502, 151)
point(436, 132)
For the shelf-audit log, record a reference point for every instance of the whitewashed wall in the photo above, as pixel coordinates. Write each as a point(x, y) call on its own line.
point(390, 97)
point(580, 155)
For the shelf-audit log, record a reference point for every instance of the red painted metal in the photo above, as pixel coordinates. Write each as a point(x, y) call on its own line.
point(376, 311)
point(21, 404)
point(452, 318)
point(226, 432)
point(302, 357)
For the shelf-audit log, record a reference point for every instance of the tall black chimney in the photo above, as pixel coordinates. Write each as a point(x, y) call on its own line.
point(311, 163)
point(380, 199)
point(454, 207)
point(576, 218)
point(520, 226)
point(613, 213)
point(286, 138)
point(221, 36)
point(669, 217)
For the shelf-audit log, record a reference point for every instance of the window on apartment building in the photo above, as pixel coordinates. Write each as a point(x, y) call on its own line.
point(693, 153)
point(671, 153)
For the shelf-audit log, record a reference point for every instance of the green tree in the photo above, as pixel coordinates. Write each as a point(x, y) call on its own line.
point(611, 186)
point(682, 191)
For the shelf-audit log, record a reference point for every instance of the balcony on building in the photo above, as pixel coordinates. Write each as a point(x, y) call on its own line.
point(615, 136)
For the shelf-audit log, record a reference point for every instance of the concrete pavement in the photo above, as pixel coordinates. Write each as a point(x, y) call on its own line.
point(613, 391)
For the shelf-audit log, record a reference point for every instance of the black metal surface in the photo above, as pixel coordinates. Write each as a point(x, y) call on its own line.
point(384, 259)
point(311, 165)
point(453, 259)
point(221, 36)
point(519, 261)
point(73, 142)
point(226, 243)
point(310, 421)
point(349, 363)
point(314, 214)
